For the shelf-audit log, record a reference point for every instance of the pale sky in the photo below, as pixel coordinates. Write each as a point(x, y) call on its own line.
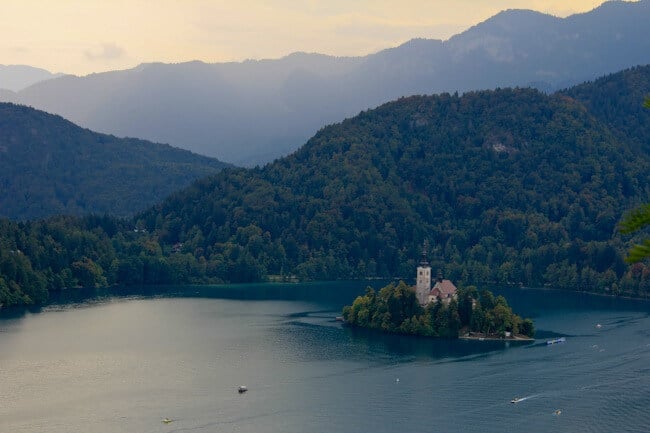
point(85, 36)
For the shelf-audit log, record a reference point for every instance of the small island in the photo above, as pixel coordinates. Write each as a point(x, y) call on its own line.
point(438, 311)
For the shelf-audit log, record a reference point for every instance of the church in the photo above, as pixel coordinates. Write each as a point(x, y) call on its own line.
point(443, 290)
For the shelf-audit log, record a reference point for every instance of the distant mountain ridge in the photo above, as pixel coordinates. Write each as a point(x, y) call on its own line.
point(18, 77)
point(49, 166)
point(252, 112)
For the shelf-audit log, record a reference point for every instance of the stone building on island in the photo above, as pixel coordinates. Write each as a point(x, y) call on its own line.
point(443, 290)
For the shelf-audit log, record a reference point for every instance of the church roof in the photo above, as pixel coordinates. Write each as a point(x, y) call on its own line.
point(445, 288)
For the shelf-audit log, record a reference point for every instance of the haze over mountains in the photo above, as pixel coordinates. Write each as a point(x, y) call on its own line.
point(17, 77)
point(252, 112)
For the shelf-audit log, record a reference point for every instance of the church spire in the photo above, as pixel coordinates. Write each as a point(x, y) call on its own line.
point(424, 261)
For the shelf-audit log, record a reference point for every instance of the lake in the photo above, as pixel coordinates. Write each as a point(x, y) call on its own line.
point(123, 364)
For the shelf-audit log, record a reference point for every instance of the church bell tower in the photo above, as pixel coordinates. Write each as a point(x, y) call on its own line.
point(423, 278)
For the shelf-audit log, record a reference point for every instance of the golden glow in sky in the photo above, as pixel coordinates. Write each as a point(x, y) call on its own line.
point(85, 36)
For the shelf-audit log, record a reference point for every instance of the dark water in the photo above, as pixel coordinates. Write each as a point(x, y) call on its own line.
point(124, 364)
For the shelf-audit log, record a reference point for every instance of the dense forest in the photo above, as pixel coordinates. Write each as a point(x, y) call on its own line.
point(49, 166)
point(617, 101)
point(92, 252)
point(395, 308)
point(509, 186)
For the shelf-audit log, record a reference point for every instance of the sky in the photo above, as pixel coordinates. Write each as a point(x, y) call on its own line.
point(85, 36)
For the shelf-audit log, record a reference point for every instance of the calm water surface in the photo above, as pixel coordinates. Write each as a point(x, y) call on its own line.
point(124, 364)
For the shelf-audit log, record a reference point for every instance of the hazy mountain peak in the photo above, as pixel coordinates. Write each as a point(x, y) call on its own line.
point(18, 77)
point(619, 5)
point(508, 23)
point(254, 111)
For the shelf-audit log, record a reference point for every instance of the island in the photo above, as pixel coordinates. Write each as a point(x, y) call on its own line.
point(439, 311)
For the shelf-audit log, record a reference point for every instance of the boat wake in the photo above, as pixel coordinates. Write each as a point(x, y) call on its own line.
point(520, 399)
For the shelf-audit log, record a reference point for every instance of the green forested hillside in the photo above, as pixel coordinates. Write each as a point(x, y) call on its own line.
point(508, 186)
point(49, 166)
point(617, 101)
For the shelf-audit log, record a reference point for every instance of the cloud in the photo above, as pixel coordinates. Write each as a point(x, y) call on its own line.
point(105, 52)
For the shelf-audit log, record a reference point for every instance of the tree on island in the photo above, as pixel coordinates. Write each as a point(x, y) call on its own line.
point(395, 308)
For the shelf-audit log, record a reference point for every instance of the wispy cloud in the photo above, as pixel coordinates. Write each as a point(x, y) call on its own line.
point(105, 52)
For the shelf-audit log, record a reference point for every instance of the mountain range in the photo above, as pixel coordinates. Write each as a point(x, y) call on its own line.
point(49, 166)
point(252, 112)
point(508, 186)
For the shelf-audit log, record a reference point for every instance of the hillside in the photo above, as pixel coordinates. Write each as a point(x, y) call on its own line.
point(617, 101)
point(49, 166)
point(211, 108)
point(510, 186)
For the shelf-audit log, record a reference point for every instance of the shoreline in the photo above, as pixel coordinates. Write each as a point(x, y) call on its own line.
point(645, 297)
point(494, 338)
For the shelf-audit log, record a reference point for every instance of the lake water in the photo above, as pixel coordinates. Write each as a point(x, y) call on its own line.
point(124, 364)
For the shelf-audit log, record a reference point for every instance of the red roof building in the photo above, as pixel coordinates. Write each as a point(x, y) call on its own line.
point(443, 290)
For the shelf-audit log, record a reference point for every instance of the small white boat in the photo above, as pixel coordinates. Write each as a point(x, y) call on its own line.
point(556, 340)
point(242, 389)
point(516, 400)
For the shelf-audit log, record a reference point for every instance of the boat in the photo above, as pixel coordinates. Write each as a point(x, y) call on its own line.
point(167, 420)
point(557, 412)
point(242, 389)
point(516, 400)
point(556, 340)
